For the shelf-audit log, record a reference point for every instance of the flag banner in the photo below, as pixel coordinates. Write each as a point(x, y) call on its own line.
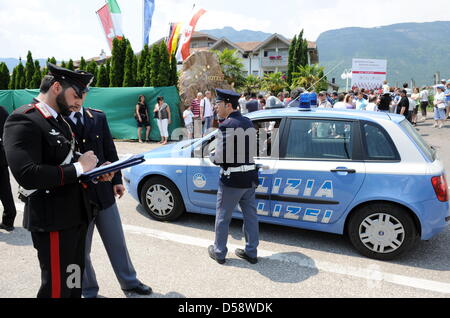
point(105, 19)
point(116, 16)
point(186, 35)
point(369, 73)
point(175, 38)
point(149, 9)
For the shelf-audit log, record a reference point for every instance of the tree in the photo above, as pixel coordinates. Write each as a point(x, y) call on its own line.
point(102, 76)
point(83, 64)
point(274, 83)
point(154, 66)
point(108, 71)
point(53, 60)
point(20, 76)
point(135, 70)
point(92, 68)
point(148, 68)
point(291, 59)
point(63, 64)
point(70, 65)
point(118, 62)
point(164, 66)
point(4, 76)
point(309, 77)
point(12, 81)
point(252, 84)
point(37, 76)
point(173, 71)
point(141, 72)
point(232, 67)
point(29, 71)
point(128, 78)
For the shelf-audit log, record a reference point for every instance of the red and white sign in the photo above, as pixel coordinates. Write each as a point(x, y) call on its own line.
point(369, 73)
point(105, 19)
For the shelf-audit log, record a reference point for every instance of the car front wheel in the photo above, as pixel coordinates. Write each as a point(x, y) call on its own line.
point(382, 231)
point(161, 199)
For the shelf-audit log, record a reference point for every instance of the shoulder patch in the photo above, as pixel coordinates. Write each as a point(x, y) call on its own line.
point(88, 112)
point(28, 108)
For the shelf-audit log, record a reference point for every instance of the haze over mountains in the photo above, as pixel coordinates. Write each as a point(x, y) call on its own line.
point(413, 50)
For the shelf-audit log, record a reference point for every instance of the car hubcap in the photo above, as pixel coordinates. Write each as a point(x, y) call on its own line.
point(382, 233)
point(160, 200)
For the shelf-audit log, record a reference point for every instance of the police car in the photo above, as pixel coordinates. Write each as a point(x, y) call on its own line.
point(367, 175)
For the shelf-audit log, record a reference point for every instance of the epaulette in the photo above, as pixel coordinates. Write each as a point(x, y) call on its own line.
point(43, 110)
point(96, 110)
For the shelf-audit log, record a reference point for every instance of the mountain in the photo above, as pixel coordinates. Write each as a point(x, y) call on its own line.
point(238, 36)
point(415, 51)
point(12, 62)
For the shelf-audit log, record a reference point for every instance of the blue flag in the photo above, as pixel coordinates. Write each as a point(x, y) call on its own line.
point(149, 8)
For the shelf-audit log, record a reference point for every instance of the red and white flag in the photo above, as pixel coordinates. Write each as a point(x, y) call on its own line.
point(186, 35)
point(108, 27)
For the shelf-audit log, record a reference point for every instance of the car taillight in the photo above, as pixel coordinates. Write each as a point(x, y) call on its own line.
point(441, 188)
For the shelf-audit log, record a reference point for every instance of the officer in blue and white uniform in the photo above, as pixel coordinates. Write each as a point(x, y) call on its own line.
point(239, 179)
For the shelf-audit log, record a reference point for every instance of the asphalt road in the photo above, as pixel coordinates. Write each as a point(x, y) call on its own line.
point(172, 257)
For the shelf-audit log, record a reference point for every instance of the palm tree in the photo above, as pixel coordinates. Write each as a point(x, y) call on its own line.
point(274, 83)
point(232, 67)
point(309, 77)
point(252, 84)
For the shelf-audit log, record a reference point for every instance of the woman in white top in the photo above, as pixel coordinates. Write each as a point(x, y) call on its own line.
point(162, 113)
point(439, 107)
point(373, 104)
point(340, 103)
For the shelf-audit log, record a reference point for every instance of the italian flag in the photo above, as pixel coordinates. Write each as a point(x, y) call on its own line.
point(116, 16)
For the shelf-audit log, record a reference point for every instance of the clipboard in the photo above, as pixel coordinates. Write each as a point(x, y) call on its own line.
point(113, 167)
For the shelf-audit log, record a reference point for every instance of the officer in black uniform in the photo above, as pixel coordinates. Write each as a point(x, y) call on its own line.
point(9, 208)
point(93, 134)
point(239, 178)
point(39, 147)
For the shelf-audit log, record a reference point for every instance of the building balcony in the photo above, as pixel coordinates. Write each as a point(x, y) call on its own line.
point(274, 61)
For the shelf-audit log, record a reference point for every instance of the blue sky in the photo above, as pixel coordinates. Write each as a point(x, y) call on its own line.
point(70, 28)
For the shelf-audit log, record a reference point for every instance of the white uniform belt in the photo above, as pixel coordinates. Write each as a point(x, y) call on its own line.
point(229, 171)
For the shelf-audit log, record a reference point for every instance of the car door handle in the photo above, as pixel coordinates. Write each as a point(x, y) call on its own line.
point(345, 170)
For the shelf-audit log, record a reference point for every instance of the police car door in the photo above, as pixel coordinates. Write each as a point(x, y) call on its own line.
point(203, 176)
point(317, 175)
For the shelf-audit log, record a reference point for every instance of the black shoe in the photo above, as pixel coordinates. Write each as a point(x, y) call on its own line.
point(8, 228)
point(141, 289)
point(213, 255)
point(241, 254)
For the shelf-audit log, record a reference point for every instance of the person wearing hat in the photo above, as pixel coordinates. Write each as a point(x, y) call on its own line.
point(239, 178)
point(40, 149)
point(92, 133)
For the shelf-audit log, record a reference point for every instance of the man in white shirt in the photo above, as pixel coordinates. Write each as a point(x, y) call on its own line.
point(424, 102)
point(206, 112)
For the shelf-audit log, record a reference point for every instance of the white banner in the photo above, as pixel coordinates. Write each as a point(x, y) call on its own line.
point(369, 73)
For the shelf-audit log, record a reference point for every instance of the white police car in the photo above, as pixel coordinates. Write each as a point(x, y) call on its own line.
point(368, 175)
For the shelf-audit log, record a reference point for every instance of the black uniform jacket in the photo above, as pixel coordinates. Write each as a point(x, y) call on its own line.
point(35, 146)
point(97, 137)
point(226, 160)
point(3, 117)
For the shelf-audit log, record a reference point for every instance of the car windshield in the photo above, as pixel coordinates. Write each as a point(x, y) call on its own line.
point(427, 150)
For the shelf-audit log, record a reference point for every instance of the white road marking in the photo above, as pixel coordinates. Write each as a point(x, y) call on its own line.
point(368, 273)
point(365, 273)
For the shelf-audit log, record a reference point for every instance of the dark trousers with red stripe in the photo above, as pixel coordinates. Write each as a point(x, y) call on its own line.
point(61, 257)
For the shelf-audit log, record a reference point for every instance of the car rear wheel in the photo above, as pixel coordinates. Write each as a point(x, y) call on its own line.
point(382, 231)
point(161, 199)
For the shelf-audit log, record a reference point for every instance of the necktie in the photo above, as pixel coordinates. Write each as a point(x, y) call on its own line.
point(79, 125)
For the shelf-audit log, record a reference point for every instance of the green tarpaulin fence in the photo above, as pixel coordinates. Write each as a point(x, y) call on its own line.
point(118, 104)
